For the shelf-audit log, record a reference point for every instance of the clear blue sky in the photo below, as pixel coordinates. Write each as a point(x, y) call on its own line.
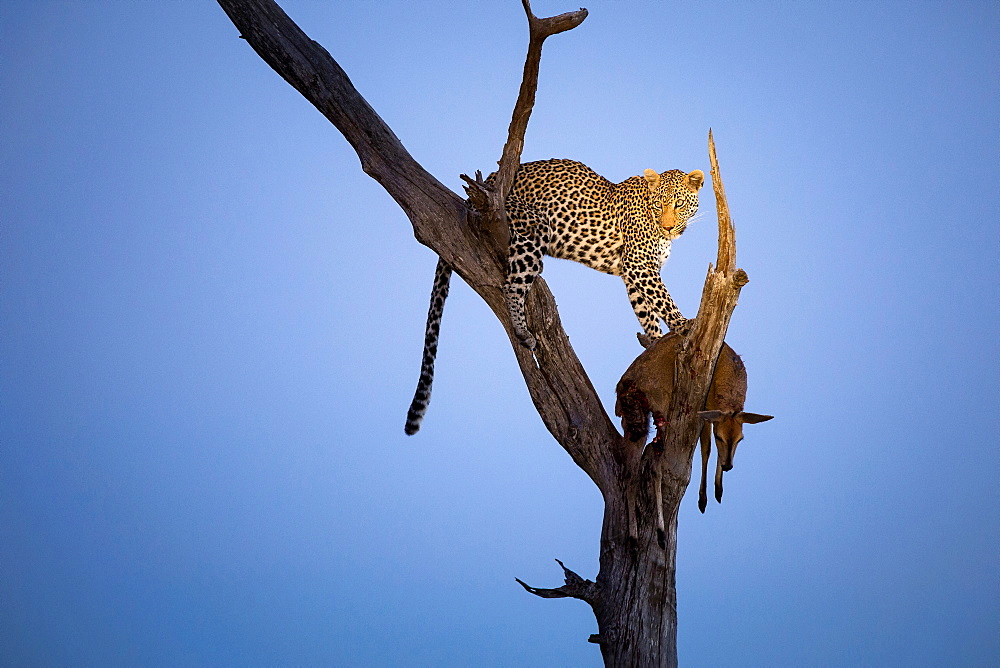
point(212, 319)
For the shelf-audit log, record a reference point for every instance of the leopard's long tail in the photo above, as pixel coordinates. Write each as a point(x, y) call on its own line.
point(422, 397)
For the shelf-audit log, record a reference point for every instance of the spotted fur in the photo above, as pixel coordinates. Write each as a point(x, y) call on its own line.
point(422, 397)
point(564, 209)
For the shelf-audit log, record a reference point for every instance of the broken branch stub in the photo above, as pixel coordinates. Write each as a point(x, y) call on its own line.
point(575, 587)
point(726, 260)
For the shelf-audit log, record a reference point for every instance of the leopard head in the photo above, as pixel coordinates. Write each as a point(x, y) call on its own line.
point(673, 198)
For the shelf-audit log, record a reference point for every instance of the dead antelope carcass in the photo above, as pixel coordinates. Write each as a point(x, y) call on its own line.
point(647, 387)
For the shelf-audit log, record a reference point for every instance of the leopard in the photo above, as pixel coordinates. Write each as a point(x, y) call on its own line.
point(564, 209)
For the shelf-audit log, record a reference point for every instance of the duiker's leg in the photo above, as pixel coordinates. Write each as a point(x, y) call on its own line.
point(529, 239)
point(718, 478)
point(706, 450)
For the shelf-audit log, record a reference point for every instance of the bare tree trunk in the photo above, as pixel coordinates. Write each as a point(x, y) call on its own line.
point(634, 596)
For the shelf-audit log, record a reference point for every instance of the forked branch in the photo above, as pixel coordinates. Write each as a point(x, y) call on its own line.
point(538, 31)
point(490, 200)
point(575, 587)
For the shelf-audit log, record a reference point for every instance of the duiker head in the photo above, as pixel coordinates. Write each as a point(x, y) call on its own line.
point(728, 428)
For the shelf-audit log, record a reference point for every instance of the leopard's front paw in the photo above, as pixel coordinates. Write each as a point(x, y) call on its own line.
point(682, 326)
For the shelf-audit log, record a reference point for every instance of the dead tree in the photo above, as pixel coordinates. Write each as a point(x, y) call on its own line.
point(633, 596)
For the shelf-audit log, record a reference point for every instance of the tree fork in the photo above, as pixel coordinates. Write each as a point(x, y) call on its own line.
point(634, 595)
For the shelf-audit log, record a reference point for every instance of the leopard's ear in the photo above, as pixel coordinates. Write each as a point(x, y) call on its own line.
point(652, 178)
point(695, 179)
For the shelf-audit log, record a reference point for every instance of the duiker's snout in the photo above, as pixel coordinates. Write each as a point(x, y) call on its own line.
point(728, 433)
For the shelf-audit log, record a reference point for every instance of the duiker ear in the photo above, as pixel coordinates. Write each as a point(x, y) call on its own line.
point(753, 418)
point(711, 416)
point(695, 179)
point(652, 178)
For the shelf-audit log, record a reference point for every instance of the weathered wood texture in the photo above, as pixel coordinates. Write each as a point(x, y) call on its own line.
point(633, 597)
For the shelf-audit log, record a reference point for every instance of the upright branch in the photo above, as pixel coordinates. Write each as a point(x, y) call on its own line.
point(538, 31)
point(489, 201)
point(726, 259)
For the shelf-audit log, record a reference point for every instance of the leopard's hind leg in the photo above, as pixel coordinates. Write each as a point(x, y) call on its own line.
point(529, 241)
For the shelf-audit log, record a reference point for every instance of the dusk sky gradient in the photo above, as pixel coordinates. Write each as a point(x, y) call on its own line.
point(212, 322)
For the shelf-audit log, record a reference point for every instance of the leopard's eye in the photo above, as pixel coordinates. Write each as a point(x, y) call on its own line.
point(678, 205)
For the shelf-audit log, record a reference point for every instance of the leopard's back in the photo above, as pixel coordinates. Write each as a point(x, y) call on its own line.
point(578, 207)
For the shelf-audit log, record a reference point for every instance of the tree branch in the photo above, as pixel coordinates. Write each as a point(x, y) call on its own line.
point(726, 260)
point(437, 213)
point(538, 31)
point(575, 587)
